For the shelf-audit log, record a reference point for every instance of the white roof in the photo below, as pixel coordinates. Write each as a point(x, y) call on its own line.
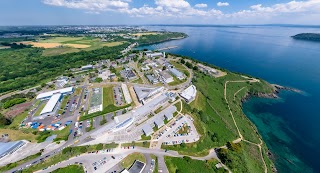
point(126, 93)
point(189, 93)
point(51, 104)
point(50, 93)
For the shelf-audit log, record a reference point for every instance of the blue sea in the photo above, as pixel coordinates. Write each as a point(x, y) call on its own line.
point(290, 125)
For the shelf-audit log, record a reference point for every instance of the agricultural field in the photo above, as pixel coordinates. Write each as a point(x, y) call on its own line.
point(144, 33)
point(65, 44)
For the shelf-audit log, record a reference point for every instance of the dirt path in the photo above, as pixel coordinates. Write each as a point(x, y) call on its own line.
point(235, 123)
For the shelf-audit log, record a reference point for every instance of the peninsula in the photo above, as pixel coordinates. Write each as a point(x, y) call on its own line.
point(107, 106)
point(308, 36)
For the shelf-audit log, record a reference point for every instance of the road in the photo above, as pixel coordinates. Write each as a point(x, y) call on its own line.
point(119, 154)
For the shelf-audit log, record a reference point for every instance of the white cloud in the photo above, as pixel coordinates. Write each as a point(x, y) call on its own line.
point(182, 9)
point(90, 5)
point(222, 4)
point(201, 5)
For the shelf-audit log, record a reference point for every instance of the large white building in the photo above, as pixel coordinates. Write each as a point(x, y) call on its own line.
point(189, 94)
point(47, 95)
point(177, 73)
point(53, 103)
point(126, 93)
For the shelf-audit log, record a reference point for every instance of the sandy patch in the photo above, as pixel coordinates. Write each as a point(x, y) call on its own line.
point(43, 45)
point(81, 46)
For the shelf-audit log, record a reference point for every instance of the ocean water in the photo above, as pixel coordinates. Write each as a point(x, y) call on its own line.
point(290, 126)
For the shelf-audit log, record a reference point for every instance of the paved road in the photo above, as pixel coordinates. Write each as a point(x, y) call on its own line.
point(149, 168)
point(162, 167)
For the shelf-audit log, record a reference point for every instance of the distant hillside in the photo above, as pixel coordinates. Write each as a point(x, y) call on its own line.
point(308, 36)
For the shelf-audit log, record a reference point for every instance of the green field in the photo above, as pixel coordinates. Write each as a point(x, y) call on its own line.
point(41, 106)
point(128, 161)
point(212, 117)
point(108, 96)
point(187, 165)
point(70, 169)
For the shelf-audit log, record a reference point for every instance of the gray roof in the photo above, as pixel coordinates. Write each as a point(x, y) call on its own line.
point(147, 129)
point(137, 167)
point(143, 92)
point(176, 72)
point(8, 147)
point(168, 112)
point(159, 122)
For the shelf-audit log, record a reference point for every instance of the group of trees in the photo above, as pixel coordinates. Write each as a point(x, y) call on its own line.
point(189, 65)
point(4, 121)
point(13, 102)
point(161, 37)
point(15, 45)
point(27, 67)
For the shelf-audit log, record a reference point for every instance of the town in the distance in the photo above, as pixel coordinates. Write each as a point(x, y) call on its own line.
point(133, 110)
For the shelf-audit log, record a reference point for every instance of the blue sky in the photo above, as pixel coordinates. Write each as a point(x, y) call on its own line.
point(109, 12)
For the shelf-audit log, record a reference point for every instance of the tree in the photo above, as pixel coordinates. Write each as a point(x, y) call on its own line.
point(164, 68)
point(189, 65)
point(182, 61)
point(4, 121)
point(98, 79)
point(196, 68)
point(99, 146)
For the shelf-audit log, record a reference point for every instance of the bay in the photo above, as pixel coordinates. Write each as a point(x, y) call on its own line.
point(289, 125)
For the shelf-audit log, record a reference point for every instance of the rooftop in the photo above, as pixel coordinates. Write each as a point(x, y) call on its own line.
point(50, 93)
point(137, 167)
point(176, 72)
point(6, 147)
point(189, 93)
point(51, 104)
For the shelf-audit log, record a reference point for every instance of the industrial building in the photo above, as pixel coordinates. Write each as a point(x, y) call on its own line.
point(177, 73)
point(54, 100)
point(51, 104)
point(144, 93)
point(47, 95)
point(7, 148)
point(128, 74)
point(189, 94)
point(126, 93)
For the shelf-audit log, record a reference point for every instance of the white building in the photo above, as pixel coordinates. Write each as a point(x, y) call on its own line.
point(51, 105)
point(189, 94)
point(47, 95)
point(156, 54)
point(126, 93)
point(87, 67)
point(144, 93)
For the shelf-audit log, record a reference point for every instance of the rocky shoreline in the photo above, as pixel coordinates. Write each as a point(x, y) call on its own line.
point(273, 95)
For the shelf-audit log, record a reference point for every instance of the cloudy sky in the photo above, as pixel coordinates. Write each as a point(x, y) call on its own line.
point(107, 12)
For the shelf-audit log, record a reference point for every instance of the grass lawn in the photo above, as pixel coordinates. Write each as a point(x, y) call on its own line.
point(158, 110)
point(111, 44)
point(178, 106)
point(70, 169)
point(60, 39)
point(77, 92)
point(139, 81)
point(137, 144)
point(176, 81)
point(128, 161)
point(62, 134)
point(16, 135)
point(144, 137)
point(180, 67)
point(108, 96)
point(18, 119)
point(41, 106)
point(58, 51)
point(175, 164)
point(64, 101)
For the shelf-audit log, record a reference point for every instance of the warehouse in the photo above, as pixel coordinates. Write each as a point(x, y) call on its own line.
point(51, 105)
point(47, 95)
point(9, 147)
point(126, 93)
point(144, 93)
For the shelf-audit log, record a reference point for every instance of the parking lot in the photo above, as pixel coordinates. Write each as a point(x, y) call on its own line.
point(181, 131)
point(118, 96)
